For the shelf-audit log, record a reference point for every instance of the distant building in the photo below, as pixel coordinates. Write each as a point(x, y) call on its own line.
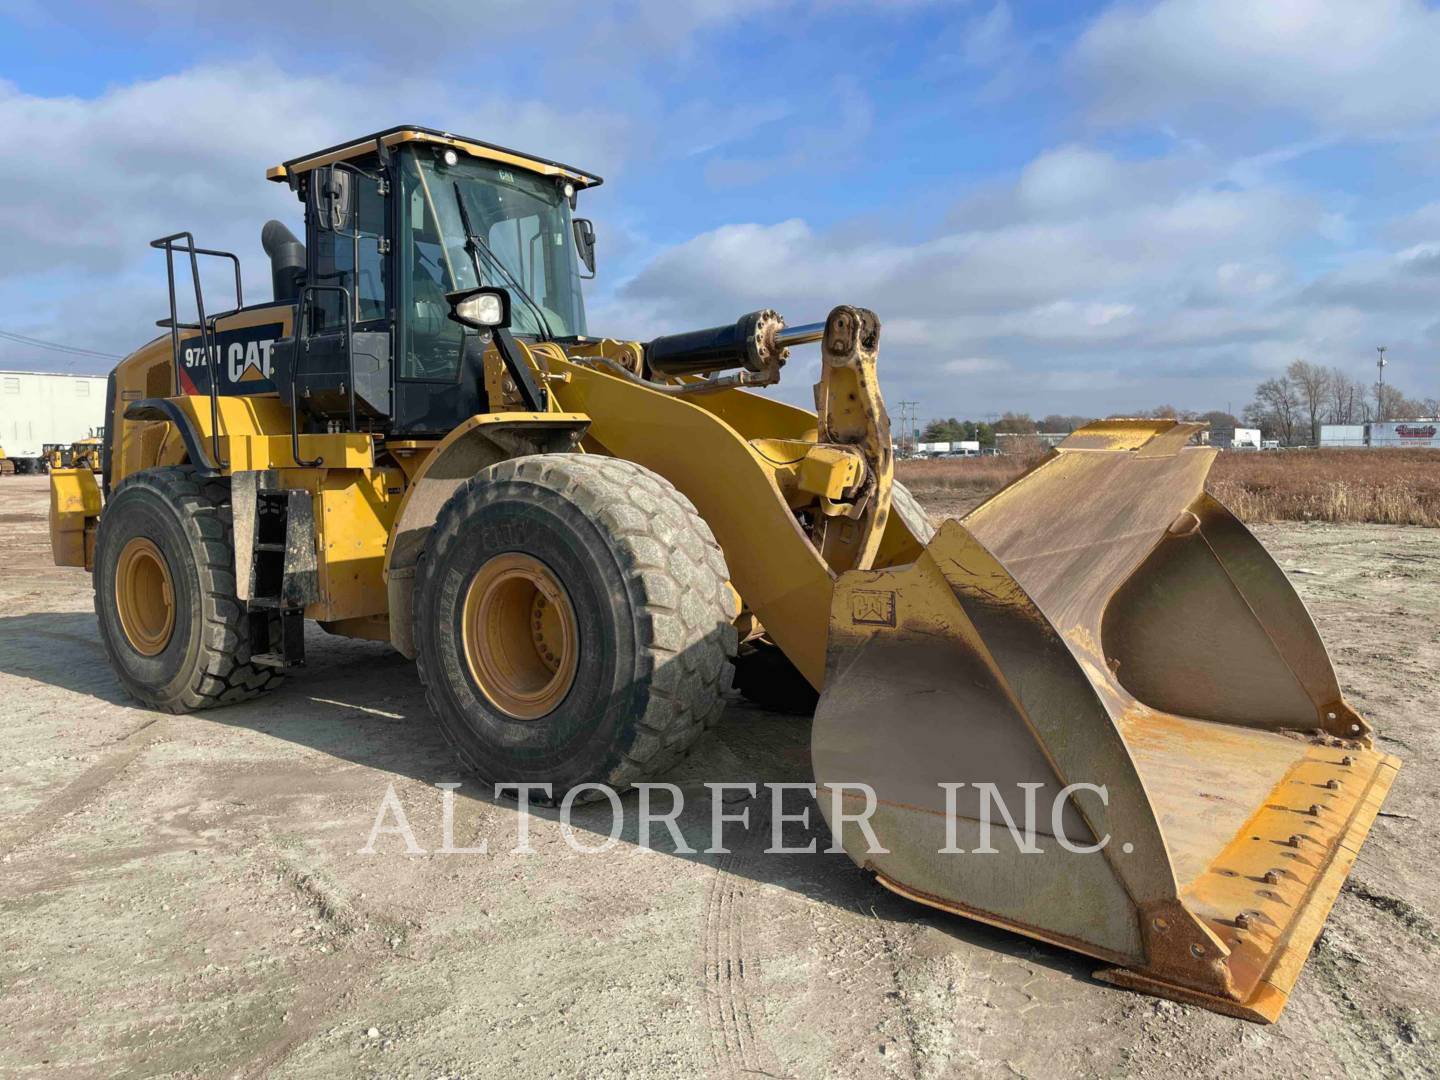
point(40, 408)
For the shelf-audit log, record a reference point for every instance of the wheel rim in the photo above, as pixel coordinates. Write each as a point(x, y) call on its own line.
point(520, 636)
point(145, 597)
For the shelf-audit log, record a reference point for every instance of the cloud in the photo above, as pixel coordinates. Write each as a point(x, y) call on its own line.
point(1094, 248)
point(1360, 68)
point(1087, 283)
point(101, 177)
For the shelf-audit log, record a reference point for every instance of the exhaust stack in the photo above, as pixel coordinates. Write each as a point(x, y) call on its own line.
point(287, 259)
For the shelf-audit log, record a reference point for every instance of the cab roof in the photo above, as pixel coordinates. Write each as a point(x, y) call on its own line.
point(407, 133)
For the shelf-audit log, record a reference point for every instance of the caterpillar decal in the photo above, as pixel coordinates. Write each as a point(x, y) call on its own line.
point(243, 357)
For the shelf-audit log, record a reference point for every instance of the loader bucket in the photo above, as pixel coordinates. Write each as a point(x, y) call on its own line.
point(1103, 621)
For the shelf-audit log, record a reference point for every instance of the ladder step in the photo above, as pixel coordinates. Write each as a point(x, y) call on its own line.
point(269, 547)
point(268, 603)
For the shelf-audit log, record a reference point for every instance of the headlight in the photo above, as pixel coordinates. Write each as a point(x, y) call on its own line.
point(482, 308)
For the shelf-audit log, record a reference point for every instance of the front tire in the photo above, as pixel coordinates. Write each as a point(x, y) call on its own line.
point(574, 622)
point(165, 593)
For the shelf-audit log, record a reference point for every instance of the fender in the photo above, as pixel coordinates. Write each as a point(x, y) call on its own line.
point(166, 411)
point(476, 444)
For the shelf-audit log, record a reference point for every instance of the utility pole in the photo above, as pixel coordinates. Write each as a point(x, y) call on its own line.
point(909, 417)
point(1380, 390)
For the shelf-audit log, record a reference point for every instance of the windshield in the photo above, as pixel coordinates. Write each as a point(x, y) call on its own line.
point(524, 220)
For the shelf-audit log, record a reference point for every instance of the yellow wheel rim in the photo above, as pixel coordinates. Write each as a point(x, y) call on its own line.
point(145, 597)
point(520, 636)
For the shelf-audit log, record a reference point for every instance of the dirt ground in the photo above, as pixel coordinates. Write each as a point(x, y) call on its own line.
point(185, 895)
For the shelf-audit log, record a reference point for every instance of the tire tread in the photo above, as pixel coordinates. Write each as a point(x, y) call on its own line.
point(676, 573)
point(223, 674)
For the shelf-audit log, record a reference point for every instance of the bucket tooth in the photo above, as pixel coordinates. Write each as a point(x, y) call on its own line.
point(1106, 639)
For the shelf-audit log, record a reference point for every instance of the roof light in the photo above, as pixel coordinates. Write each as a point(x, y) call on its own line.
point(451, 158)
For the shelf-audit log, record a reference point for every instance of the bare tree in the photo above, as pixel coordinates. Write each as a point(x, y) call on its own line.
point(1347, 398)
point(1276, 408)
point(1016, 424)
point(1409, 408)
point(1219, 420)
point(1311, 384)
point(1057, 424)
point(1389, 402)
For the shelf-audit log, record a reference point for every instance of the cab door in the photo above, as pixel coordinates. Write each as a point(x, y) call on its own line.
point(344, 337)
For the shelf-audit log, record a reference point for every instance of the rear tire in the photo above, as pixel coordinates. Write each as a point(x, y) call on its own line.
point(168, 531)
point(634, 672)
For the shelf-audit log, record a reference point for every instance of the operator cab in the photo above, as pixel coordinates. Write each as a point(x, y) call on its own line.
point(396, 226)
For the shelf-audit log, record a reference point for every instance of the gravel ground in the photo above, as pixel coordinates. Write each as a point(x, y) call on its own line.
point(186, 895)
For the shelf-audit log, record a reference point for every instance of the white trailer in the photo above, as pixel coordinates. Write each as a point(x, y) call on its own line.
point(1406, 433)
point(1242, 438)
point(39, 409)
point(1342, 435)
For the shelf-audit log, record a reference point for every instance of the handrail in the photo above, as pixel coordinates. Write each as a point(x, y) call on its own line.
point(205, 326)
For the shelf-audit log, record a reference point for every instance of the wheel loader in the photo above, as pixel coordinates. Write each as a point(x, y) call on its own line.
point(579, 538)
point(81, 454)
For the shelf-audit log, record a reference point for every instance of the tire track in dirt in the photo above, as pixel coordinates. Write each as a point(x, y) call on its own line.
point(326, 990)
point(738, 1050)
point(83, 788)
point(362, 941)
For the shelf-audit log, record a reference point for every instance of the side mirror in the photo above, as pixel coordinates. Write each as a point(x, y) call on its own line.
point(585, 241)
point(332, 197)
point(484, 308)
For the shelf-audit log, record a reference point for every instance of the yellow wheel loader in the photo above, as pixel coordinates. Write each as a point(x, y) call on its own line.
point(417, 440)
point(81, 454)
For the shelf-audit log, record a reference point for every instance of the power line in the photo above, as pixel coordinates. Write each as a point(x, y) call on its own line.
point(37, 343)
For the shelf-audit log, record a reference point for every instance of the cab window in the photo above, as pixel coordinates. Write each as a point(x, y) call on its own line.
point(352, 258)
point(433, 262)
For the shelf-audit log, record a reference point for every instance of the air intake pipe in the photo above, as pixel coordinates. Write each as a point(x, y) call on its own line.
point(287, 259)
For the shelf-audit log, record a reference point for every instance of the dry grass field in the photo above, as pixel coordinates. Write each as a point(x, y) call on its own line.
point(1384, 487)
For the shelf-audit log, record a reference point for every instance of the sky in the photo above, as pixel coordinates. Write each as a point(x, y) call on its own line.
point(1053, 207)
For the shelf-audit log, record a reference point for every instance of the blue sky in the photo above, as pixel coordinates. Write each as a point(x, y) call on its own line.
point(1053, 207)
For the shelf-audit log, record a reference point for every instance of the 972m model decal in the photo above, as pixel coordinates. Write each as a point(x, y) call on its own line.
point(243, 360)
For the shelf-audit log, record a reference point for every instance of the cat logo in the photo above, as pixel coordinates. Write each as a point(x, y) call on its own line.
point(243, 360)
point(875, 608)
point(248, 361)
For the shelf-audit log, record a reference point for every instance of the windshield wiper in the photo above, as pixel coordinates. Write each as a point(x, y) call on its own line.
point(475, 245)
